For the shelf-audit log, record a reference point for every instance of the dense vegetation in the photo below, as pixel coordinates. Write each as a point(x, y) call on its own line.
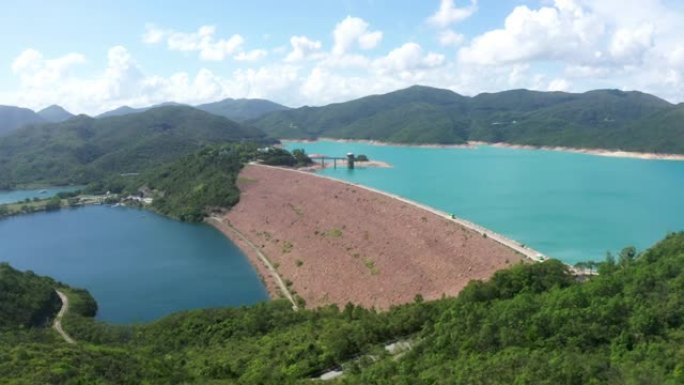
point(55, 114)
point(238, 110)
point(191, 187)
point(624, 327)
point(195, 185)
point(12, 118)
point(26, 299)
point(607, 119)
point(241, 110)
point(83, 149)
point(532, 324)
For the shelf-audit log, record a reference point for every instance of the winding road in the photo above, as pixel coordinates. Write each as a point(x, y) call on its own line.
point(57, 324)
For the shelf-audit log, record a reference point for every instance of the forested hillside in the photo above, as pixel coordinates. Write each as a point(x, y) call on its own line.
point(84, 149)
point(55, 114)
point(26, 300)
point(12, 118)
point(195, 185)
point(609, 119)
point(532, 323)
point(240, 110)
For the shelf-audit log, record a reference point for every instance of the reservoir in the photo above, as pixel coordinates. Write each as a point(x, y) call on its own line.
point(574, 207)
point(139, 266)
point(20, 195)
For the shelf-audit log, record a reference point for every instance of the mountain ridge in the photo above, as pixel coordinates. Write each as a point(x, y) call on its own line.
point(12, 118)
point(84, 149)
point(600, 119)
point(55, 114)
point(241, 110)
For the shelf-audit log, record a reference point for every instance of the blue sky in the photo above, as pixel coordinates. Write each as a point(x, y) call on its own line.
point(90, 56)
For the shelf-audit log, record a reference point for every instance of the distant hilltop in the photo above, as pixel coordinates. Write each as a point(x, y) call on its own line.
point(600, 119)
point(239, 110)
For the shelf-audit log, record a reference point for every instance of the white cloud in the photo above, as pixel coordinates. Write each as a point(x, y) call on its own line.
point(408, 57)
point(36, 71)
point(449, 13)
point(122, 73)
point(250, 56)
point(558, 85)
point(570, 45)
point(628, 45)
point(569, 31)
point(302, 48)
point(153, 34)
point(449, 38)
point(561, 32)
point(202, 41)
point(351, 32)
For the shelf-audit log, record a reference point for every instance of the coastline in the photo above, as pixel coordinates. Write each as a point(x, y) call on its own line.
point(475, 144)
point(589, 151)
point(267, 272)
point(381, 143)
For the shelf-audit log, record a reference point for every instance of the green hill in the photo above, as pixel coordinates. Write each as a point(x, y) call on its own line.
point(120, 111)
point(12, 118)
point(238, 110)
point(26, 300)
point(191, 186)
point(241, 110)
point(608, 119)
point(55, 114)
point(417, 114)
point(532, 324)
point(84, 149)
point(126, 110)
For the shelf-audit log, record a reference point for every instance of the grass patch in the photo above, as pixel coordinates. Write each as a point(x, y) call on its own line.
point(333, 233)
point(370, 264)
point(296, 209)
point(245, 180)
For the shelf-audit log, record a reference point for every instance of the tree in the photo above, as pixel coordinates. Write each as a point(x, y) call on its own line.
point(277, 157)
point(301, 157)
point(53, 204)
point(627, 255)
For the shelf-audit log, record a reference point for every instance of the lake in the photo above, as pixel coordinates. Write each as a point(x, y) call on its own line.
point(20, 195)
point(570, 206)
point(139, 266)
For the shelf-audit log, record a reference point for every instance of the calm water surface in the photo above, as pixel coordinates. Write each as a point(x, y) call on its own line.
point(570, 206)
point(139, 266)
point(20, 195)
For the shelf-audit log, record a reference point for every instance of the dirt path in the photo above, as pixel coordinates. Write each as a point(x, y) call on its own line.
point(267, 263)
point(57, 325)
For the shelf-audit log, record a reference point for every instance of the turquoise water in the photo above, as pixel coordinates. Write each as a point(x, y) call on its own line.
point(139, 266)
point(569, 206)
point(20, 195)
